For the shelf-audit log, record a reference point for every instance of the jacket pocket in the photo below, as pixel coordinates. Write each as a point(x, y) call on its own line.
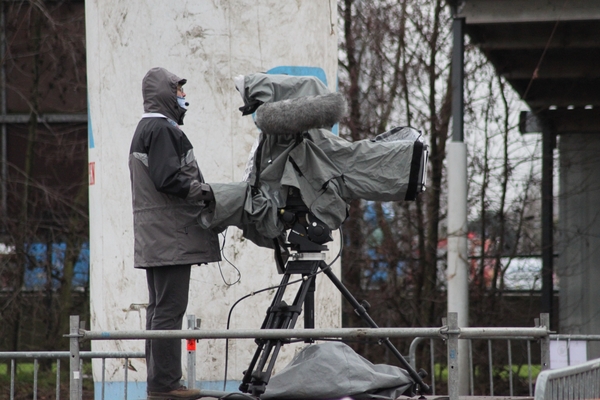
point(193, 239)
point(154, 239)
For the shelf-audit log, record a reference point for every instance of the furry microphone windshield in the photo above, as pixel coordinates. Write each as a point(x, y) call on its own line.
point(301, 114)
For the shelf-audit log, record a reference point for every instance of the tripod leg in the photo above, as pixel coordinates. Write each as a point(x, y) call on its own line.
point(268, 323)
point(309, 308)
point(367, 318)
point(280, 316)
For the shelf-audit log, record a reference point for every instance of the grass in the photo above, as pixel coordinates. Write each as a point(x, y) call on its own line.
point(519, 372)
point(481, 379)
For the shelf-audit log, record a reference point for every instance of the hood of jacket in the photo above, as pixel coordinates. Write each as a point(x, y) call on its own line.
point(159, 90)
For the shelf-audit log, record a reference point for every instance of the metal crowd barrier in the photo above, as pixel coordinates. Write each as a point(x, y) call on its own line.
point(451, 333)
point(581, 381)
point(577, 382)
point(57, 356)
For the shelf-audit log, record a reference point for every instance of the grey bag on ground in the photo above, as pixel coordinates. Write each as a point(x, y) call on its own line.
point(332, 370)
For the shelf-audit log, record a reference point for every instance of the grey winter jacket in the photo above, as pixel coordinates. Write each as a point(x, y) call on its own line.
point(166, 183)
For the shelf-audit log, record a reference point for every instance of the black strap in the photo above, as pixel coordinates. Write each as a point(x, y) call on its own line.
point(257, 162)
point(415, 168)
point(248, 109)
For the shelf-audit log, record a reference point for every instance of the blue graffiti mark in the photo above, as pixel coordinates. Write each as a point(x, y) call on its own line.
point(90, 132)
point(300, 71)
point(452, 354)
point(303, 71)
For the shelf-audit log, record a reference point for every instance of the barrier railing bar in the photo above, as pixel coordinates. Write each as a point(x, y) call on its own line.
point(452, 347)
point(545, 342)
point(432, 362)
point(74, 371)
point(412, 350)
point(103, 375)
point(126, 376)
point(569, 351)
point(12, 379)
point(268, 333)
point(562, 336)
point(80, 377)
point(58, 379)
point(503, 333)
point(464, 333)
point(490, 364)
point(510, 371)
point(65, 354)
point(471, 372)
point(529, 367)
point(35, 378)
point(191, 352)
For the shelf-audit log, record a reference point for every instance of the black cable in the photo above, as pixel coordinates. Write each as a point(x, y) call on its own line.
point(536, 71)
point(239, 274)
point(229, 319)
point(246, 396)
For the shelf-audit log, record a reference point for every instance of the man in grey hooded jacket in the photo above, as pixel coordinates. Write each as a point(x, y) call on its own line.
point(168, 193)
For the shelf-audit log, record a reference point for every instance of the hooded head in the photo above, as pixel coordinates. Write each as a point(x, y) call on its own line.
point(159, 89)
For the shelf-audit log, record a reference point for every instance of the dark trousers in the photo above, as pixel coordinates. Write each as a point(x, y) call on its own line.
point(168, 288)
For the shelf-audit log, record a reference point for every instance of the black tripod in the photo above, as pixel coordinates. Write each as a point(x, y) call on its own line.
point(307, 238)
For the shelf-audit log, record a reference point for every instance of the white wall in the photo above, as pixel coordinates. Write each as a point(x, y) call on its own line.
point(207, 42)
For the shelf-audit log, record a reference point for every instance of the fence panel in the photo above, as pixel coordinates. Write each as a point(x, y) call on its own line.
point(56, 357)
point(577, 382)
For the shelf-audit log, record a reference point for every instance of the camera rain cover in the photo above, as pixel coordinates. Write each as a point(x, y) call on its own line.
point(296, 149)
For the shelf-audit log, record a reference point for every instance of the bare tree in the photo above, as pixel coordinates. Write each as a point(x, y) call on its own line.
point(395, 70)
point(45, 224)
point(397, 74)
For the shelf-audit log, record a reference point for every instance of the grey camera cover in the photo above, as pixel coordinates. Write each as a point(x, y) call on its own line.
point(328, 171)
point(332, 370)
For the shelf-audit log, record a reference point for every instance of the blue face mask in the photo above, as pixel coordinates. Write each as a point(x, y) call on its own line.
point(182, 103)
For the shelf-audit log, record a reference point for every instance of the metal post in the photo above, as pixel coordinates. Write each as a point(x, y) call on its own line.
point(471, 372)
point(491, 367)
point(545, 342)
point(191, 349)
point(548, 144)
point(58, 379)
point(432, 365)
point(3, 134)
point(75, 372)
point(529, 368)
point(103, 377)
point(458, 48)
point(453, 354)
point(126, 378)
point(12, 379)
point(510, 369)
point(458, 268)
point(35, 378)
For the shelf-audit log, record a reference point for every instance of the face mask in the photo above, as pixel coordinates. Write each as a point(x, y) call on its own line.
point(182, 103)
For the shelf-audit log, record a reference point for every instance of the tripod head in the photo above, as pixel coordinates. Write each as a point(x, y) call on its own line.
point(307, 233)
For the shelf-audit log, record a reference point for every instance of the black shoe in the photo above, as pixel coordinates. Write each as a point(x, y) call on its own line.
point(181, 392)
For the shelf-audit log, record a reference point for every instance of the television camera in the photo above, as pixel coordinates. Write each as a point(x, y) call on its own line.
point(299, 183)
